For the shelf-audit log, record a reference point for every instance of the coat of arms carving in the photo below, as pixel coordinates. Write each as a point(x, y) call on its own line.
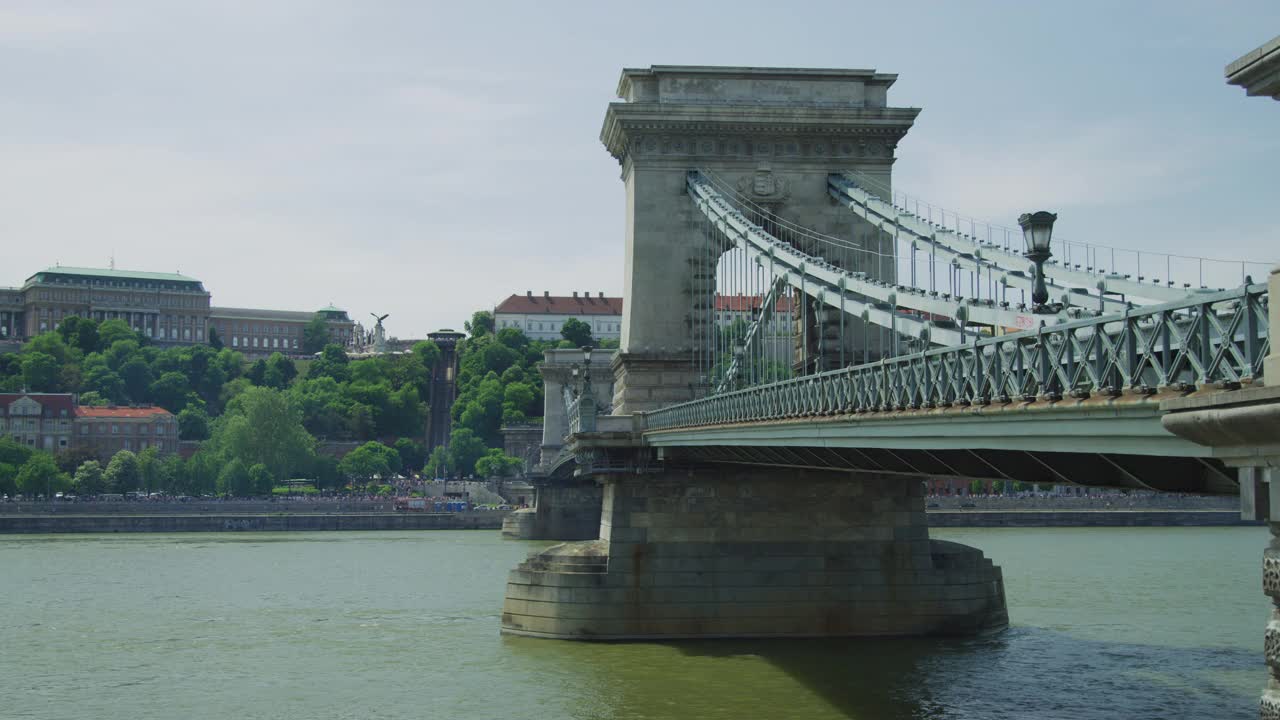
point(764, 185)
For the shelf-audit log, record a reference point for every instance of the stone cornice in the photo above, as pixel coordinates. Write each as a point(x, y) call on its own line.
point(1258, 71)
point(738, 131)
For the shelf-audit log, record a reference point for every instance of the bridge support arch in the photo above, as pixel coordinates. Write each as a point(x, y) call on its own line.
point(774, 135)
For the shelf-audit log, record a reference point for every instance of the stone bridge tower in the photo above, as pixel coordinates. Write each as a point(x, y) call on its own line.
point(774, 135)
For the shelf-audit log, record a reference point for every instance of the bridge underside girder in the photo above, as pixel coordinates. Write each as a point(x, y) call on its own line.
point(1111, 470)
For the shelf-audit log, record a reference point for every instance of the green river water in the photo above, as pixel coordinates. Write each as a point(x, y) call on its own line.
point(1106, 623)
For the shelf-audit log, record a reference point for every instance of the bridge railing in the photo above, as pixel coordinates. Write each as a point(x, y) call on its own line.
point(1219, 338)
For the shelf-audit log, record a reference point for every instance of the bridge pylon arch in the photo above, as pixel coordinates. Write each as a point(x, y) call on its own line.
point(774, 135)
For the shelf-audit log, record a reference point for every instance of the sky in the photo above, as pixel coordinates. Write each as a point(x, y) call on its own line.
point(429, 159)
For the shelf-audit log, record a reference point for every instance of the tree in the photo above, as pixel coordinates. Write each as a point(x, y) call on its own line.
point(360, 422)
point(576, 332)
point(427, 352)
point(260, 480)
point(215, 340)
point(111, 331)
point(257, 372)
point(404, 415)
point(496, 463)
point(93, 398)
point(498, 357)
point(41, 476)
point(513, 338)
point(122, 474)
point(51, 344)
point(234, 479)
point(437, 463)
point(200, 476)
point(14, 453)
point(369, 460)
point(98, 377)
point(80, 332)
point(137, 379)
point(72, 458)
point(280, 372)
point(120, 352)
point(171, 391)
point(481, 323)
point(40, 372)
point(193, 424)
point(149, 470)
point(324, 471)
point(8, 478)
point(323, 405)
point(331, 363)
point(412, 454)
point(260, 426)
point(482, 414)
point(12, 457)
point(517, 397)
point(315, 335)
point(89, 478)
point(465, 448)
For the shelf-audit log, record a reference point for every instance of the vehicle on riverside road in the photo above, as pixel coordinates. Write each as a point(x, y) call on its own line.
point(410, 504)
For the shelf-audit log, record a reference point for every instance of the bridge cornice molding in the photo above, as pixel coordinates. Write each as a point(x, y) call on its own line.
point(738, 131)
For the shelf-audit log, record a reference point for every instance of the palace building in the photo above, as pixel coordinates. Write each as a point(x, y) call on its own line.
point(169, 308)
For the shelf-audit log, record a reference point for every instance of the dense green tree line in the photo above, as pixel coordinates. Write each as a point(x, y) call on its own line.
point(261, 421)
point(108, 363)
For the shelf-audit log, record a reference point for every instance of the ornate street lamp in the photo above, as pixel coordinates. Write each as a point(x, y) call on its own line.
point(586, 364)
point(1037, 230)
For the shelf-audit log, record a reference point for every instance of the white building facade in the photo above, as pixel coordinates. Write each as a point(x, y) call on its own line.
point(541, 317)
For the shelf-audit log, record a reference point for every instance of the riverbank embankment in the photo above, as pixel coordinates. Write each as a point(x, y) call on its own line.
point(1084, 518)
point(233, 517)
point(68, 522)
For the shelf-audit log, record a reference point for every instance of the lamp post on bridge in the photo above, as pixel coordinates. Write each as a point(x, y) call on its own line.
point(1037, 230)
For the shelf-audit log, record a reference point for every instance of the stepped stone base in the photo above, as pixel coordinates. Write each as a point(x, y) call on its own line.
point(519, 524)
point(715, 552)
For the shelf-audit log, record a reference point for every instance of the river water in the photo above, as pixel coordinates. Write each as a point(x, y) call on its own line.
point(1106, 623)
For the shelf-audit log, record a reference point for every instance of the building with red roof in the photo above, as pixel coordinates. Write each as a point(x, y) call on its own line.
point(108, 430)
point(542, 316)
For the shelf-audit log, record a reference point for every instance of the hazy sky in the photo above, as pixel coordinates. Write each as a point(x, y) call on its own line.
point(427, 159)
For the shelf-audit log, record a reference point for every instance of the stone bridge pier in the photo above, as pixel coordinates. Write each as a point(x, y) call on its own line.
point(686, 549)
point(737, 551)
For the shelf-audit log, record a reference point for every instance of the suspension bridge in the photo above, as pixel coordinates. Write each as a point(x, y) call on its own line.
point(802, 345)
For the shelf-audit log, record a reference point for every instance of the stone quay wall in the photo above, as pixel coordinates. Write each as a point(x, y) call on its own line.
point(201, 506)
point(231, 522)
point(1085, 518)
point(1152, 501)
